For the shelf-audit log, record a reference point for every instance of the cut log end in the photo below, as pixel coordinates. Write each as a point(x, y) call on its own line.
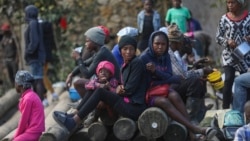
point(47, 137)
point(124, 128)
point(97, 132)
point(153, 122)
point(175, 131)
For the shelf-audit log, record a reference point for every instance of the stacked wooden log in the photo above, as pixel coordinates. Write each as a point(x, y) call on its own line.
point(8, 101)
point(152, 124)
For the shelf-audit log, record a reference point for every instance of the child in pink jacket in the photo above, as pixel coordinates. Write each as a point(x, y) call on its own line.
point(32, 121)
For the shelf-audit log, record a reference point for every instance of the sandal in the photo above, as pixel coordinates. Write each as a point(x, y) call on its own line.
point(210, 133)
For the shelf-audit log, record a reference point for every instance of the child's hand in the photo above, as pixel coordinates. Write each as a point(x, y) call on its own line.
point(105, 86)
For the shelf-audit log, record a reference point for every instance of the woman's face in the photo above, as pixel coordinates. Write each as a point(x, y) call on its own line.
point(160, 45)
point(233, 5)
point(18, 88)
point(90, 45)
point(128, 52)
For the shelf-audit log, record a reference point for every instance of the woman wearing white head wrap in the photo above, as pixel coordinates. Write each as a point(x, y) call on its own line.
point(233, 29)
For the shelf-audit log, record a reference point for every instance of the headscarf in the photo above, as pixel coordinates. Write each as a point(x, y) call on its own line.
point(24, 78)
point(107, 65)
point(131, 31)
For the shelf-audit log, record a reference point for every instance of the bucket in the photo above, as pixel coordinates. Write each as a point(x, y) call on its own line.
point(215, 79)
point(241, 50)
point(73, 94)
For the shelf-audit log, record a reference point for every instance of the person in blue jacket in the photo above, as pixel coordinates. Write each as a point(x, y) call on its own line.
point(158, 65)
point(34, 54)
point(148, 21)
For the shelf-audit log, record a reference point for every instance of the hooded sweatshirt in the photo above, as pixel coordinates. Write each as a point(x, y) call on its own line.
point(163, 73)
point(34, 48)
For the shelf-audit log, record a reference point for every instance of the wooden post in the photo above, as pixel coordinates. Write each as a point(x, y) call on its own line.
point(8, 100)
point(54, 132)
point(81, 135)
point(10, 125)
point(106, 118)
point(153, 122)
point(124, 128)
point(140, 137)
point(175, 131)
point(9, 136)
point(97, 132)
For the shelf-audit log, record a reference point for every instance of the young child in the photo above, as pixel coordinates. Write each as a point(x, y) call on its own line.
point(32, 121)
point(148, 21)
point(104, 79)
point(178, 14)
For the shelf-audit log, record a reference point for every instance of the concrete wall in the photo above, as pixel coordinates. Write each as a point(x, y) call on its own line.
point(208, 12)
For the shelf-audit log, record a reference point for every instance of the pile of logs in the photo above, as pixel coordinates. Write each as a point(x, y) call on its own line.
point(152, 125)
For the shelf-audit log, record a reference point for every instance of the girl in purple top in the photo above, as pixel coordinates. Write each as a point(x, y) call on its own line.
point(32, 121)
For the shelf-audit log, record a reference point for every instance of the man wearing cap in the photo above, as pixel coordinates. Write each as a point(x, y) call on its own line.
point(94, 41)
point(10, 55)
point(192, 88)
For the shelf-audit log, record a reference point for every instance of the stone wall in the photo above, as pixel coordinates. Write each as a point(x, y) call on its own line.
point(115, 14)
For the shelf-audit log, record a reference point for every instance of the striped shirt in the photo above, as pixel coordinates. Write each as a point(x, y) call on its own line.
point(243, 133)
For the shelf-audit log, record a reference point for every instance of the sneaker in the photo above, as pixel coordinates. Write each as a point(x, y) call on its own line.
point(45, 102)
point(55, 97)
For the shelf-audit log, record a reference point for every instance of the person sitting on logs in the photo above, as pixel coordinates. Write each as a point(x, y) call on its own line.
point(128, 101)
point(158, 64)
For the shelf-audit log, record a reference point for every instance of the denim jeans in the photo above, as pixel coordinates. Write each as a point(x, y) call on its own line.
point(36, 69)
point(241, 84)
